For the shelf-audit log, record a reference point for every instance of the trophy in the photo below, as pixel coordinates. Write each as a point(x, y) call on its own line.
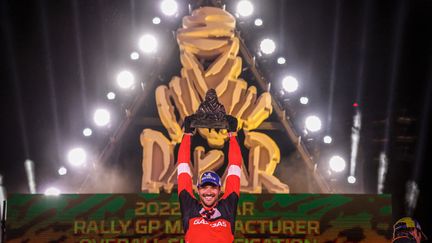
point(211, 113)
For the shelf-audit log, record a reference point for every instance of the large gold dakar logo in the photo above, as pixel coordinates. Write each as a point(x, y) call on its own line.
point(208, 54)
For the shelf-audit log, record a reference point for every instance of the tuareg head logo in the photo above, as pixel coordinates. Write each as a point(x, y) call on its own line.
point(208, 176)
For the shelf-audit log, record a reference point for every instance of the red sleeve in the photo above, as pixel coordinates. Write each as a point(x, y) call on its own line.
point(235, 160)
point(184, 174)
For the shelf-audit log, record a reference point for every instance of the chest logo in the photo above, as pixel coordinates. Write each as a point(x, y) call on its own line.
point(211, 224)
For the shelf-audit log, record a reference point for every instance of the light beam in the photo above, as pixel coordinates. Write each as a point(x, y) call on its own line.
point(29, 167)
point(355, 139)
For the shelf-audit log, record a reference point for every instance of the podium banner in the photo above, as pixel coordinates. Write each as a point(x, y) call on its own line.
point(145, 218)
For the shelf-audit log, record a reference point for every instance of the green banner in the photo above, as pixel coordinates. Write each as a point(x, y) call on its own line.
point(139, 218)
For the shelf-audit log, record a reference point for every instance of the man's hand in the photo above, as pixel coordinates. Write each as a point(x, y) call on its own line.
point(232, 123)
point(187, 125)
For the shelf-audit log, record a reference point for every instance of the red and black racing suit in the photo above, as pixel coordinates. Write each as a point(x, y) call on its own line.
point(202, 224)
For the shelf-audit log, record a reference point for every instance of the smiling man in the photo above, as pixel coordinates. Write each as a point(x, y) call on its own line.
point(211, 218)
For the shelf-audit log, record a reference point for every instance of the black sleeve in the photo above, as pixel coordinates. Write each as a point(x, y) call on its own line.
point(188, 208)
point(229, 207)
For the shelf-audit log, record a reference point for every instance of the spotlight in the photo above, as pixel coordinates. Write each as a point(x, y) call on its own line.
point(111, 95)
point(267, 46)
point(101, 117)
point(337, 163)
point(134, 55)
point(304, 100)
point(245, 8)
point(52, 191)
point(125, 79)
point(62, 171)
point(281, 60)
point(87, 132)
point(351, 179)
point(169, 7)
point(148, 43)
point(313, 123)
point(258, 22)
point(289, 84)
point(77, 156)
point(156, 20)
point(327, 139)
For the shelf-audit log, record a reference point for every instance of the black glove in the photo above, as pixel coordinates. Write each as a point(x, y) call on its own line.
point(232, 123)
point(187, 125)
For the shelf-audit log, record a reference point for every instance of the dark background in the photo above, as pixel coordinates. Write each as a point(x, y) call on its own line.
point(60, 58)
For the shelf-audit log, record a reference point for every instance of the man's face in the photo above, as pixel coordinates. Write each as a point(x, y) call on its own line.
point(209, 194)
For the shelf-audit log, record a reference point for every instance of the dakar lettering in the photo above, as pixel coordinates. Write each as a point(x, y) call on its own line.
point(181, 240)
point(150, 226)
point(183, 95)
point(140, 226)
point(173, 209)
point(275, 240)
point(173, 227)
point(283, 227)
point(120, 240)
point(101, 227)
point(157, 208)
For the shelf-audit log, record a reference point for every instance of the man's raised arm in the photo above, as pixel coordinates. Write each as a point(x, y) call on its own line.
point(184, 174)
point(234, 161)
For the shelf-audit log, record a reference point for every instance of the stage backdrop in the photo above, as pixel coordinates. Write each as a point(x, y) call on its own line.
point(91, 218)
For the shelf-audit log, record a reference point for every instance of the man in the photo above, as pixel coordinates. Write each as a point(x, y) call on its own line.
point(212, 218)
point(407, 230)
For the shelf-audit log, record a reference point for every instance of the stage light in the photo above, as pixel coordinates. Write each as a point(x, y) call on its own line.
point(125, 79)
point(245, 8)
point(258, 22)
point(304, 100)
point(289, 84)
point(62, 171)
point(267, 46)
point(77, 156)
point(111, 95)
point(52, 191)
point(101, 117)
point(351, 179)
point(134, 55)
point(281, 60)
point(156, 20)
point(337, 163)
point(313, 123)
point(148, 43)
point(327, 139)
point(169, 7)
point(87, 132)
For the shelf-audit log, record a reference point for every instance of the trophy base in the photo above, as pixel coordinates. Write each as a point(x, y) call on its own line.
point(223, 124)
